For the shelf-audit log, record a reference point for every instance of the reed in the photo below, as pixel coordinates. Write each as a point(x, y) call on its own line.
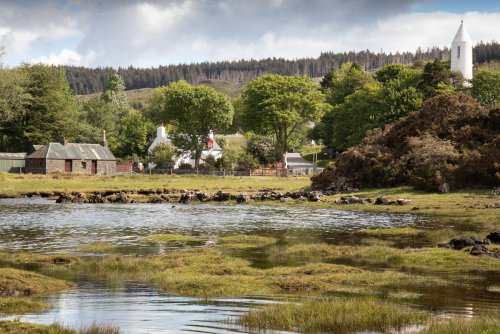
point(340, 315)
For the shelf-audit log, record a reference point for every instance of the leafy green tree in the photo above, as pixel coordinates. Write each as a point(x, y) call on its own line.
point(436, 79)
point(392, 96)
point(262, 148)
point(99, 115)
point(193, 112)
point(486, 88)
point(389, 72)
point(163, 155)
point(156, 105)
point(133, 134)
point(13, 102)
point(280, 105)
point(342, 82)
point(399, 99)
point(106, 114)
point(360, 112)
point(51, 111)
point(114, 94)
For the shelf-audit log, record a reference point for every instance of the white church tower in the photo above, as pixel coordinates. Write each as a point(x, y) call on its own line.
point(461, 53)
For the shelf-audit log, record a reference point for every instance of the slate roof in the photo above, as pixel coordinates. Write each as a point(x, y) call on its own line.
point(37, 147)
point(73, 151)
point(12, 156)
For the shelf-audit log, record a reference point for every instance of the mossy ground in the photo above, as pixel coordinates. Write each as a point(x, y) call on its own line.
point(16, 327)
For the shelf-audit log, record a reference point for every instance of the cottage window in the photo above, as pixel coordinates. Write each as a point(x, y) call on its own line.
point(84, 164)
point(458, 51)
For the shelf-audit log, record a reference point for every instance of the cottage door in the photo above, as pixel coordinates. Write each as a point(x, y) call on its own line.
point(68, 166)
point(94, 167)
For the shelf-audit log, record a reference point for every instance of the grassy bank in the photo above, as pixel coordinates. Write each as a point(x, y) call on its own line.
point(13, 184)
point(17, 287)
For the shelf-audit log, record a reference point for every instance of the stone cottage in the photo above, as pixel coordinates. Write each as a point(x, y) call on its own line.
point(72, 158)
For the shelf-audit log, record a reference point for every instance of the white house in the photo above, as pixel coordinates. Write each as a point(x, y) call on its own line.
point(461, 53)
point(211, 148)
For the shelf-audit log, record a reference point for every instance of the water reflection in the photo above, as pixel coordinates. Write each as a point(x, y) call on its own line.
point(139, 309)
point(42, 225)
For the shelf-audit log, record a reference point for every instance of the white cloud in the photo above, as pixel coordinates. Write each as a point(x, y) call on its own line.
point(67, 57)
point(160, 32)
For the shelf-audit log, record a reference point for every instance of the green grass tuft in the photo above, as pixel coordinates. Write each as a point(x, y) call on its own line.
point(245, 241)
point(335, 316)
point(10, 305)
point(483, 324)
point(171, 238)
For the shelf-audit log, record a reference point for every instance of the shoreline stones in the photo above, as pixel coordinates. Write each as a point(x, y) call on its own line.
point(494, 237)
point(478, 247)
point(158, 196)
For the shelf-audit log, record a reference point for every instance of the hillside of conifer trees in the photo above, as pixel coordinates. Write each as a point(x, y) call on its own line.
point(84, 80)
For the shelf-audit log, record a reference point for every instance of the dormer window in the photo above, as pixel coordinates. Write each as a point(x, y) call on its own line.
point(458, 52)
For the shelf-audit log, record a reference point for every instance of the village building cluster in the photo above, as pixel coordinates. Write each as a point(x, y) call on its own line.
point(82, 158)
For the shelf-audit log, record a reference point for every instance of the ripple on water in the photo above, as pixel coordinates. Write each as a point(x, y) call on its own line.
point(139, 309)
point(42, 225)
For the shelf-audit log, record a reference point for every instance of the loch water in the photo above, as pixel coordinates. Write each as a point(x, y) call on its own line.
point(41, 225)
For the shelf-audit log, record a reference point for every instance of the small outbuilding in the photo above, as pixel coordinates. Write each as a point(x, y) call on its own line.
point(72, 158)
point(12, 162)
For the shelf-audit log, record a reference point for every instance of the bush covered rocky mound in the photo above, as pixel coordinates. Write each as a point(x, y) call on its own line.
point(452, 143)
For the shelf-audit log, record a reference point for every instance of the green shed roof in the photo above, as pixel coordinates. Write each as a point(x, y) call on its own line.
point(12, 156)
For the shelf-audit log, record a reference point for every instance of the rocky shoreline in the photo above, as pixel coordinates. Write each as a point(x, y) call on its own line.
point(164, 195)
point(476, 246)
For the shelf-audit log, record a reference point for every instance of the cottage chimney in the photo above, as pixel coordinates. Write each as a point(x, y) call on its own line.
point(160, 132)
point(64, 141)
point(104, 141)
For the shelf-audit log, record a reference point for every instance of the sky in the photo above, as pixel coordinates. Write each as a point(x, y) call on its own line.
point(149, 33)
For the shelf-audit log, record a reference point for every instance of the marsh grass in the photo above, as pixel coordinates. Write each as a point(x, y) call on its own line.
point(339, 315)
point(437, 259)
point(20, 305)
point(16, 327)
point(26, 283)
point(172, 238)
point(483, 324)
point(98, 247)
point(203, 272)
point(245, 241)
point(395, 231)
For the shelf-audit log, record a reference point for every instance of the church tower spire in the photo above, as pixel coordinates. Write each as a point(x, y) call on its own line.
point(461, 53)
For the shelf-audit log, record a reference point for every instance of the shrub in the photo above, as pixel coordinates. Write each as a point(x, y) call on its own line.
point(452, 140)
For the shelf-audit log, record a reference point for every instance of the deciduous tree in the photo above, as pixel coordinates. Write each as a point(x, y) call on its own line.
point(280, 105)
point(163, 155)
point(193, 112)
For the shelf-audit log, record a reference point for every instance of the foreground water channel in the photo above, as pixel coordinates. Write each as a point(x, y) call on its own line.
point(40, 225)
